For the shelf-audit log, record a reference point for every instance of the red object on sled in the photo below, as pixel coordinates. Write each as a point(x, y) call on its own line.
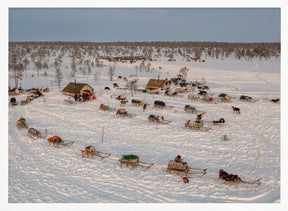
point(92, 97)
point(54, 139)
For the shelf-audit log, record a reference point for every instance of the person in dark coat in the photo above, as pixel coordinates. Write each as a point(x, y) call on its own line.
point(199, 118)
point(144, 107)
point(178, 158)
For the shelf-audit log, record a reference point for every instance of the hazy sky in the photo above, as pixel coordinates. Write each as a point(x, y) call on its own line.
point(105, 25)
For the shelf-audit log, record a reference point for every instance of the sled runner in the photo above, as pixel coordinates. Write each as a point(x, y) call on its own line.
point(123, 113)
point(158, 119)
point(181, 167)
point(236, 181)
point(245, 184)
point(247, 99)
point(137, 102)
point(106, 108)
point(70, 102)
point(170, 93)
point(33, 133)
point(161, 104)
point(196, 126)
point(133, 160)
point(56, 141)
point(90, 152)
point(24, 102)
point(191, 109)
point(220, 122)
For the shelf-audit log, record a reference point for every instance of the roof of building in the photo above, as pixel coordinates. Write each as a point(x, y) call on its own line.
point(74, 87)
point(156, 83)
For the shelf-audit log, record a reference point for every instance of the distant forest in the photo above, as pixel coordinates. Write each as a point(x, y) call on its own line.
point(86, 56)
point(190, 51)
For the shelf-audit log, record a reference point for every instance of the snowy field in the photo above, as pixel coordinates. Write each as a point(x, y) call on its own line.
point(41, 173)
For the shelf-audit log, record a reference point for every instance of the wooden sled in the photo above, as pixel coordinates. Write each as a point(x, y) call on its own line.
point(70, 102)
point(106, 108)
point(220, 122)
point(196, 126)
point(158, 119)
point(57, 142)
point(194, 111)
point(34, 134)
point(124, 113)
point(137, 102)
point(90, 152)
point(133, 161)
point(244, 184)
point(163, 107)
point(183, 168)
point(21, 123)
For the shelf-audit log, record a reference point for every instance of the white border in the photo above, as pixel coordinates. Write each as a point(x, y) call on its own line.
point(283, 4)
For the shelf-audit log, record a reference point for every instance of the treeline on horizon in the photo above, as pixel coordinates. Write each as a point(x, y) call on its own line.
point(196, 50)
point(88, 56)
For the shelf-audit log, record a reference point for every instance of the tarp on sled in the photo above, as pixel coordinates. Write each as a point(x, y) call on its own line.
point(190, 107)
point(153, 116)
point(158, 102)
point(243, 97)
point(92, 97)
point(104, 106)
point(54, 139)
point(130, 157)
point(137, 101)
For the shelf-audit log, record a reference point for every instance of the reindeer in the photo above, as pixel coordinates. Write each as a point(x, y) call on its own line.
point(236, 110)
point(275, 100)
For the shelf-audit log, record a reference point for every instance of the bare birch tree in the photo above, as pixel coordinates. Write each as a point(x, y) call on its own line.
point(58, 77)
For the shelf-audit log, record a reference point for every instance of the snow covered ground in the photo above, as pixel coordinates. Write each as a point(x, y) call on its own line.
point(39, 172)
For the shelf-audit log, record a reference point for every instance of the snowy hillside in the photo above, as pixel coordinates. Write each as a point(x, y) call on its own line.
point(39, 172)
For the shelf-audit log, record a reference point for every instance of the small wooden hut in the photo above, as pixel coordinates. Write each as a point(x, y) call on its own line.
point(76, 88)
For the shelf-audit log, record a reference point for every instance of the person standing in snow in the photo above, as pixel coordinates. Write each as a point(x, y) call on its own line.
point(199, 117)
point(144, 107)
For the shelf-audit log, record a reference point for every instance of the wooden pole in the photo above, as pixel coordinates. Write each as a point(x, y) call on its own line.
point(102, 134)
point(259, 150)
